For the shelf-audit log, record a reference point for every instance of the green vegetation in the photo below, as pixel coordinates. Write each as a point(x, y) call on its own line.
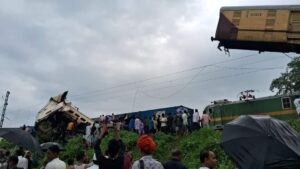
point(289, 81)
point(190, 145)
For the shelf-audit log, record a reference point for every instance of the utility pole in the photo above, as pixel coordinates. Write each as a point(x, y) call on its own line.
point(4, 109)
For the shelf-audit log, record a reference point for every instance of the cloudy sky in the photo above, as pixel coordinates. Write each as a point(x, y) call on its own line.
point(122, 56)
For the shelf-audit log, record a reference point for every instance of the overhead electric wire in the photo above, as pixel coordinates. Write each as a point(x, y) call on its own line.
point(182, 84)
point(159, 76)
point(201, 81)
point(168, 81)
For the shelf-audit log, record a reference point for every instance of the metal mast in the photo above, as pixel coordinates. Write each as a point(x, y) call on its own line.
point(4, 108)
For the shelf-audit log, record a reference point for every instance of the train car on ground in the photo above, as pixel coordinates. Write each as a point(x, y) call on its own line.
point(149, 113)
point(280, 107)
point(260, 28)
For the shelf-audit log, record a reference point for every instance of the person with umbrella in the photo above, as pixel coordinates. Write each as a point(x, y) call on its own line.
point(261, 142)
point(53, 160)
point(208, 159)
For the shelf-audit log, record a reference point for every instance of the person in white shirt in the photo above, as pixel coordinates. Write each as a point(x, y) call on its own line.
point(23, 162)
point(184, 122)
point(136, 124)
point(196, 120)
point(53, 160)
point(297, 104)
point(208, 160)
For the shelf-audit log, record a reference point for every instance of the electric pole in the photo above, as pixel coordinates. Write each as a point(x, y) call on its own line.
point(4, 108)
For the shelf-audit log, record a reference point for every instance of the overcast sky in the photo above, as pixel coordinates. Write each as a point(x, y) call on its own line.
point(122, 56)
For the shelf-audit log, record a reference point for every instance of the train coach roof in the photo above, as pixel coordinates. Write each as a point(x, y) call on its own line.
point(235, 8)
point(297, 94)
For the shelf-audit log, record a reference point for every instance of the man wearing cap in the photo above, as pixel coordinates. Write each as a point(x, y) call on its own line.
point(53, 160)
point(175, 162)
point(147, 147)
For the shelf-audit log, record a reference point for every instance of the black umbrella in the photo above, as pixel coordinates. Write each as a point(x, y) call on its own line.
point(45, 146)
point(261, 142)
point(21, 138)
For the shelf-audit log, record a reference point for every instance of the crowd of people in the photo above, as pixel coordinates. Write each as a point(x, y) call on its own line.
point(21, 159)
point(117, 156)
point(182, 123)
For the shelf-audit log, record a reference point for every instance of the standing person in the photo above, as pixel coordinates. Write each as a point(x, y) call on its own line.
point(131, 124)
point(208, 160)
point(136, 124)
point(141, 128)
point(154, 124)
point(146, 125)
point(196, 120)
point(53, 160)
point(115, 151)
point(28, 156)
point(170, 123)
point(146, 146)
point(175, 161)
point(178, 122)
point(163, 121)
point(190, 121)
point(151, 125)
point(22, 161)
point(205, 119)
point(12, 162)
point(158, 123)
point(184, 122)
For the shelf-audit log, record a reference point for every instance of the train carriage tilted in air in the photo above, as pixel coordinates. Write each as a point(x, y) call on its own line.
point(261, 28)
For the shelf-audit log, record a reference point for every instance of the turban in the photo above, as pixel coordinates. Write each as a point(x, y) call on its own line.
point(146, 144)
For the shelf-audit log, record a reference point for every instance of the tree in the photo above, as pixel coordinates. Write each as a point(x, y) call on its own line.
point(289, 81)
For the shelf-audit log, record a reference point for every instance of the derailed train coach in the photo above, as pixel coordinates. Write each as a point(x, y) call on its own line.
point(280, 106)
point(260, 28)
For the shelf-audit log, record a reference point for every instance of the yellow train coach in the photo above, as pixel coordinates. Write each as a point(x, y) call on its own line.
point(261, 28)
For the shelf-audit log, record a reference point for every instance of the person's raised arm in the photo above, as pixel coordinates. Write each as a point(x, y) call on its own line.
point(97, 149)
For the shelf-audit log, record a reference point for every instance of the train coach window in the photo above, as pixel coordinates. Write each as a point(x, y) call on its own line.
point(237, 14)
point(270, 22)
point(286, 103)
point(271, 13)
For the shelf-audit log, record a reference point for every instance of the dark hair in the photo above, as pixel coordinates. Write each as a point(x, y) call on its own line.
point(204, 154)
point(113, 147)
point(13, 159)
point(54, 149)
point(7, 153)
point(70, 161)
point(20, 152)
point(176, 153)
point(80, 155)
